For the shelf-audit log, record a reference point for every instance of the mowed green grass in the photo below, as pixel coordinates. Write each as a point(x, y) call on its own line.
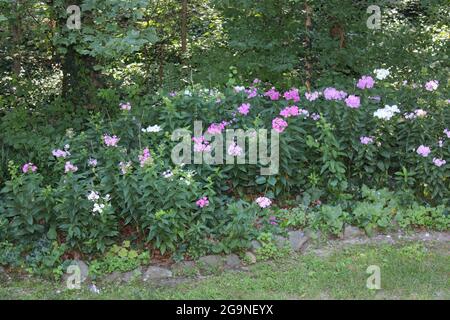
point(408, 271)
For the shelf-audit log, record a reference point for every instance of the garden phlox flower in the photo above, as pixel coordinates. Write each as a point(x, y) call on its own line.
point(290, 112)
point(29, 167)
point(124, 167)
point(439, 162)
point(111, 141)
point(292, 94)
point(366, 140)
point(201, 144)
point(424, 151)
point(366, 82)
point(125, 106)
point(238, 89)
point(447, 132)
point(272, 94)
point(387, 112)
point(315, 116)
point(251, 92)
point(278, 124)
point(234, 150)
point(334, 94)
point(431, 85)
point(353, 101)
point(145, 158)
point(217, 128)
point(312, 96)
point(69, 167)
point(202, 202)
point(93, 196)
point(150, 129)
point(167, 174)
point(98, 207)
point(244, 108)
point(263, 202)
point(92, 162)
point(381, 74)
point(58, 153)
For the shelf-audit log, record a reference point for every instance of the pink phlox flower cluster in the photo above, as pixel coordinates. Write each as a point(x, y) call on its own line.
point(92, 162)
point(292, 94)
point(251, 92)
point(366, 140)
point(315, 116)
point(244, 108)
point(334, 94)
point(125, 106)
point(111, 141)
point(366, 82)
point(217, 128)
point(439, 162)
point(447, 132)
point(58, 153)
point(234, 150)
point(69, 167)
point(312, 96)
point(353, 101)
point(29, 167)
point(202, 202)
point(263, 202)
point(201, 145)
point(424, 151)
point(145, 158)
point(432, 85)
point(292, 111)
point(272, 94)
point(278, 124)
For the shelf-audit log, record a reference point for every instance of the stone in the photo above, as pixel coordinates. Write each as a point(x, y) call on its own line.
point(184, 268)
point(131, 275)
point(112, 277)
point(298, 240)
point(255, 245)
point(232, 261)
point(156, 273)
point(250, 257)
point(353, 232)
point(84, 271)
point(213, 261)
point(280, 241)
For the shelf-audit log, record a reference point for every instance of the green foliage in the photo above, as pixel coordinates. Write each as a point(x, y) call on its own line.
point(119, 258)
point(269, 248)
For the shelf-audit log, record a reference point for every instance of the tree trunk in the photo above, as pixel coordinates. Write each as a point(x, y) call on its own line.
point(184, 10)
point(16, 31)
point(308, 63)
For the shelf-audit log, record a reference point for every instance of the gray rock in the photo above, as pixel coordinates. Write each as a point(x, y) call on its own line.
point(213, 261)
point(353, 232)
point(112, 277)
point(232, 261)
point(250, 257)
point(297, 239)
point(131, 275)
point(156, 273)
point(280, 241)
point(84, 271)
point(255, 245)
point(184, 267)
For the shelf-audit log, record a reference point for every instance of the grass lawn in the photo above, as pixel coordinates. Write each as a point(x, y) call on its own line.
point(408, 271)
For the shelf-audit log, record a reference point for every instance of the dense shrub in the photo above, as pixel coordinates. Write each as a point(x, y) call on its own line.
point(113, 178)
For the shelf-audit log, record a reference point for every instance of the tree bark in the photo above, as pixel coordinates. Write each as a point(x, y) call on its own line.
point(184, 9)
point(308, 63)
